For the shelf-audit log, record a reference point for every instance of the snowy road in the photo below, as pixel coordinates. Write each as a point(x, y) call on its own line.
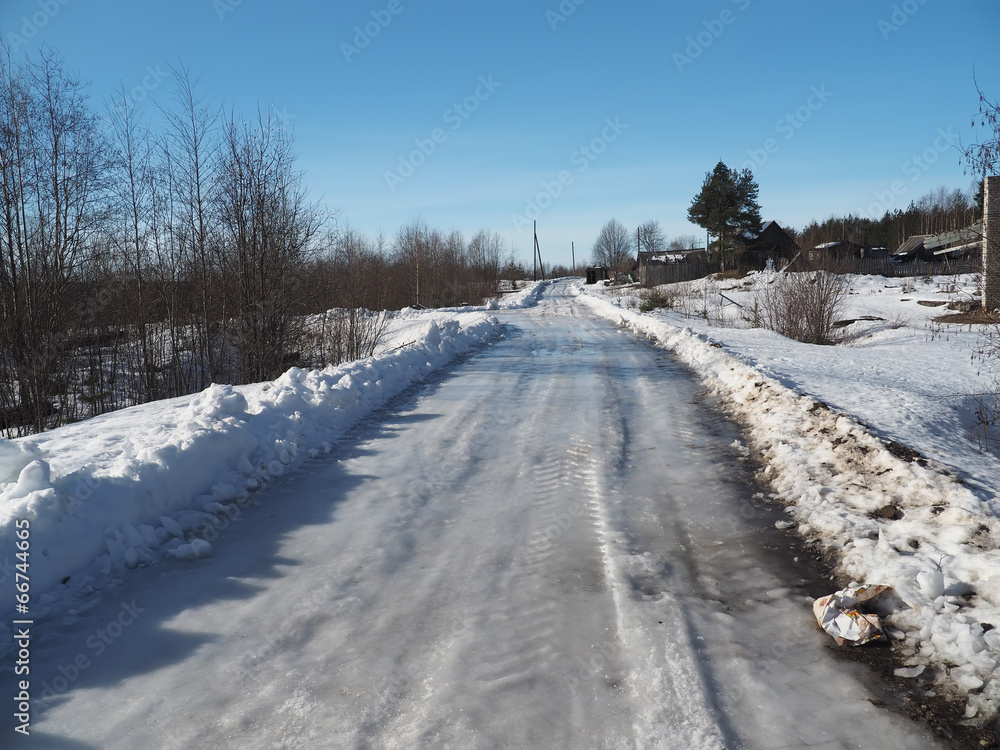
point(551, 545)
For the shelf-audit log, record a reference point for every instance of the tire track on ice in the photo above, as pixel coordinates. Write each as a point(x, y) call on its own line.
point(527, 627)
point(672, 704)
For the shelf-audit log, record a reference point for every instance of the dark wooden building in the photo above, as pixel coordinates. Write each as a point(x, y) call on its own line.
point(774, 244)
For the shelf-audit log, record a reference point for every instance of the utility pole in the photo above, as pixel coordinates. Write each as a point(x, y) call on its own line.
point(538, 252)
point(572, 247)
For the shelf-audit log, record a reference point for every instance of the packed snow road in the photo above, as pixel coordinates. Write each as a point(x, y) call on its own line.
point(551, 545)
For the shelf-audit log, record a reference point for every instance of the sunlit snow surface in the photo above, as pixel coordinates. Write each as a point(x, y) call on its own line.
point(540, 547)
point(903, 378)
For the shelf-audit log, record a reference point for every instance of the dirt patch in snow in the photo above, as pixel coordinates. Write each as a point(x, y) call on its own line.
point(812, 570)
point(920, 699)
point(975, 316)
point(817, 569)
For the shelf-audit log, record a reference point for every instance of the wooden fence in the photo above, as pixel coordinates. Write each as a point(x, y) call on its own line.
point(672, 273)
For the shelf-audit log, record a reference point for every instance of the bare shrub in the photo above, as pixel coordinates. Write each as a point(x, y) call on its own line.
point(657, 298)
point(341, 335)
point(804, 306)
point(985, 417)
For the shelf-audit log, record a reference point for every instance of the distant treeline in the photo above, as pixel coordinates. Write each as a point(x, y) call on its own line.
point(939, 211)
point(144, 260)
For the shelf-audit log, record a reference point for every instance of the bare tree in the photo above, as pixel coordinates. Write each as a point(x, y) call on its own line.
point(683, 242)
point(52, 185)
point(613, 247)
point(133, 189)
point(192, 145)
point(486, 252)
point(267, 230)
point(450, 270)
point(352, 276)
point(651, 237)
point(412, 253)
point(984, 157)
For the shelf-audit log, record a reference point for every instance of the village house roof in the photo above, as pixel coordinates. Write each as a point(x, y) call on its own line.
point(651, 258)
point(927, 246)
point(773, 243)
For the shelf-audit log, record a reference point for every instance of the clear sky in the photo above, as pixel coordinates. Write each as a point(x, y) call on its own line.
point(477, 115)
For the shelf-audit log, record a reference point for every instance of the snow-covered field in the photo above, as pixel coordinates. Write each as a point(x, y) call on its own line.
point(821, 420)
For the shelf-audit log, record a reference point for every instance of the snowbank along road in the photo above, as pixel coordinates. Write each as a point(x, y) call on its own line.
point(551, 544)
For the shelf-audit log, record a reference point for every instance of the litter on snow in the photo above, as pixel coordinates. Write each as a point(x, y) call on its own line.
point(838, 614)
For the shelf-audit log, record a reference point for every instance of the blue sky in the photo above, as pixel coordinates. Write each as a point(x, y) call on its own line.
point(488, 115)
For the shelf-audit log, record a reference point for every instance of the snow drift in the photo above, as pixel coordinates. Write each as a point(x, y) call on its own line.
point(131, 487)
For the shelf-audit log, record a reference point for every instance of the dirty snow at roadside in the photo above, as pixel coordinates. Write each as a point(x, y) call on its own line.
point(830, 424)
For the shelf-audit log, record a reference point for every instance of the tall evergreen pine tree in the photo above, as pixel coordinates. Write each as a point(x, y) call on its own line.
point(727, 207)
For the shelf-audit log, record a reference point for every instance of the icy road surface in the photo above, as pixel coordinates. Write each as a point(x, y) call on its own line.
point(548, 546)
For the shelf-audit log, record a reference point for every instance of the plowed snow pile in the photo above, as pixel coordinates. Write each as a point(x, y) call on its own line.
point(132, 487)
point(870, 446)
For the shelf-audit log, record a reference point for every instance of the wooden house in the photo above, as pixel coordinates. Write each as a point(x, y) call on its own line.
point(836, 250)
point(772, 244)
point(669, 266)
